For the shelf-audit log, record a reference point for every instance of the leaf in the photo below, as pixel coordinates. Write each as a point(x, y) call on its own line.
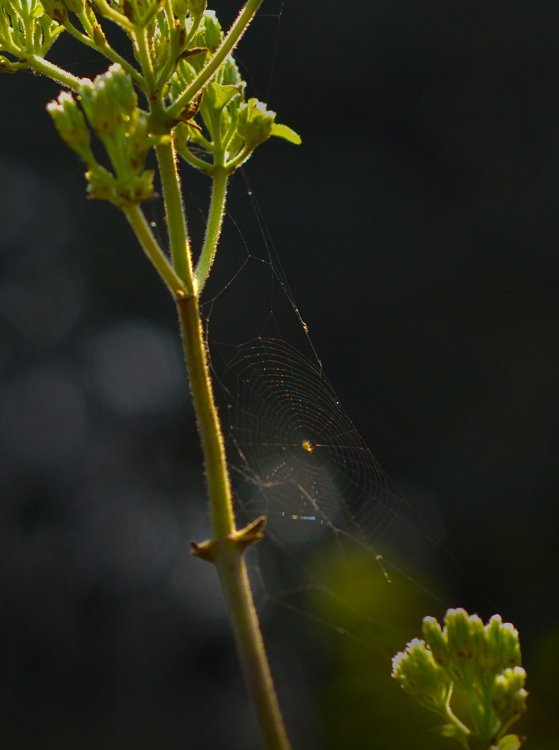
point(283, 131)
point(219, 96)
point(510, 742)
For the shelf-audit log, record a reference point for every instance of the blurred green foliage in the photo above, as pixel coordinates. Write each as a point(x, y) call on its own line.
point(362, 707)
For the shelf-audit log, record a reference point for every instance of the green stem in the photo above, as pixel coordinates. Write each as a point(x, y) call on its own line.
point(145, 58)
point(108, 52)
point(201, 140)
point(213, 226)
point(240, 158)
point(142, 230)
point(235, 33)
point(170, 64)
point(115, 16)
point(217, 476)
point(59, 75)
point(228, 553)
point(244, 621)
point(463, 731)
point(187, 155)
point(176, 221)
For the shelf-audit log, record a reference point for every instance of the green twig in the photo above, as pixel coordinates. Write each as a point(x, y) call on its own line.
point(217, 476)
point(141, 228)
point(195, 161)
point(108, 52)
point(142, 45)
point(176, 219)
point(240, 158)
point(116, 17)
point(235, 33)
point(244, 620)
point(213, 226)
point(57, 74)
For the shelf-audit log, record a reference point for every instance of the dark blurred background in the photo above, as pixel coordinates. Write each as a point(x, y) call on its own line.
point(418, 228)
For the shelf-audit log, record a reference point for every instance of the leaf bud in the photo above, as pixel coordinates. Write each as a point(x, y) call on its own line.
point(75, 6)
point(230, 75)
point(102, 114)
point(503, 643)
point(180, 8)
point(122, 88)
point(139, 142)
point(99, 36)
point(459, 629)
point(509, 695)
point(197, 7)
point(420, 676)
point(107, 99)
point(101, 184)
point(211, 35)
point(435, 639)
point(510, 742)
point(255, 122)
point(138, 189)
point(70, 124)
point(55, 9)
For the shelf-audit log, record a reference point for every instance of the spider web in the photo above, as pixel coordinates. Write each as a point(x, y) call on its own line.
point(295, 455)
point(297, 446)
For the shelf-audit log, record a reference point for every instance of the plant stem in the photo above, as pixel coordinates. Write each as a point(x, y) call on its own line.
point(234, 34)
point(108, 52)
point(149, 244)
point(53, 71)
point(225, 542)
point(213, 226)
point(187, 155)
point(244, 621)
point(217, 476)
point(145, 58)
point(176, 221)
point(228, 553)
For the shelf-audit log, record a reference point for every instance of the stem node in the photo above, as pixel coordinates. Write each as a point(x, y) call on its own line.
point(240, 540)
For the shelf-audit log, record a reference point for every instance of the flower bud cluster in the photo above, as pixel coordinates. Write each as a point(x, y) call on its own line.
point(483, 662)
point(255, 123)
point(70, 123)
point(111, 107)
point(419, 674)
point(28, 27)
point(235, 126)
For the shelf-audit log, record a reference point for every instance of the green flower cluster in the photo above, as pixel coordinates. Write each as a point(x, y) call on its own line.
point(235, 127)
point(26, 29)
point(181, 93)
point(193, 90)
point(111, 107)
point(481, 663)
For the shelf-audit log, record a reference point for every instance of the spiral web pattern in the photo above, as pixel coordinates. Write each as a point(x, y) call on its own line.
point(296, 457)
point(309, 470)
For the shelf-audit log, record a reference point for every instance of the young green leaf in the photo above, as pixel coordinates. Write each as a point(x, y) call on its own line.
point(510, 742)
point(287, 133)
